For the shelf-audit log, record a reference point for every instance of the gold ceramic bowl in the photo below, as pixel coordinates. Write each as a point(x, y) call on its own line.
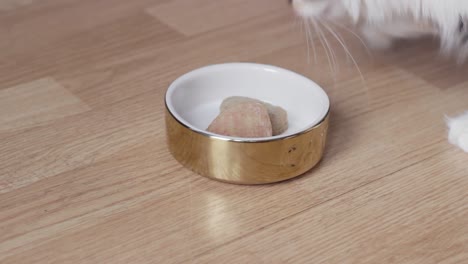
point(193, 100)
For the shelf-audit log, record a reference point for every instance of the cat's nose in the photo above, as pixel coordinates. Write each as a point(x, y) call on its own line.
point(290, 1)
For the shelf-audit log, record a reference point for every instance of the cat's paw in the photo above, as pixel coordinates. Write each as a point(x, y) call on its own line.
point(458, 131)
point(376, 39)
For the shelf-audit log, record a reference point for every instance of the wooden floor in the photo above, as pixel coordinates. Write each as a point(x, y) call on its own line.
point(85, 175)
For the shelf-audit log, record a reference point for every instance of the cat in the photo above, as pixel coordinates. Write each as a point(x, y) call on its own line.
point(381, 22)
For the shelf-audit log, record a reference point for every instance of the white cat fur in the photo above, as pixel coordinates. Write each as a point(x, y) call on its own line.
point(458, 131)
point(382, 21)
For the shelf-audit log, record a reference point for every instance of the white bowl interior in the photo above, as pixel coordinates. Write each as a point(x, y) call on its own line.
point(195, 97)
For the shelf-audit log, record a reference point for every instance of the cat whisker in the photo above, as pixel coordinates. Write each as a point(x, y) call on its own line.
point(306, 27)
point(345, 48)
point(323, 45)
point(297, 23)
point(337, 36)
point(332, 51)
point(354, 34)
point(326, 45)
point(311, 39)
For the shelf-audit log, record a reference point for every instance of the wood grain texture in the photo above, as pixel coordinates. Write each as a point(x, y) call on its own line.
point(33, 103)
point(7, 5)
point(86, 177)
point(214, 14)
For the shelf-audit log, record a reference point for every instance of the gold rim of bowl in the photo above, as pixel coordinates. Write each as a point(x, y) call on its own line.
point(246, 161)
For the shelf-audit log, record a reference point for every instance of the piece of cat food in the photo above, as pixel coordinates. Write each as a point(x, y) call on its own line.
point(244, 119)
point(278, 116)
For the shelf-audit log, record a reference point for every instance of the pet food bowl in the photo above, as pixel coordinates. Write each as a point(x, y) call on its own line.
point(193, 101)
